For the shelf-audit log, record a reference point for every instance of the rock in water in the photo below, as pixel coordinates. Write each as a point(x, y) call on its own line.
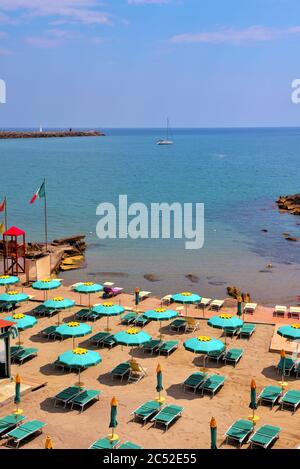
point(289, 203)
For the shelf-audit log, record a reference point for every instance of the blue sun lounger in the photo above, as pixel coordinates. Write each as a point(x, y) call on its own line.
point(269, 395)
point(16, 436)
point(239, 431)
point(128, 445)
point(146, 411)
point(104, 443)
point(264, 436)
point(9, 422)
point(167, 415)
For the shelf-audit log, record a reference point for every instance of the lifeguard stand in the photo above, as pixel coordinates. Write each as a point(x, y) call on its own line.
point(14, 251)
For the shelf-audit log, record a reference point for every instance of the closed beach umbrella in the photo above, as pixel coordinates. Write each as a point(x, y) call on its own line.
point(6, 280)
point(159, 384)
point(14, 297)
point(22, 321)
point(58, 303)
point(137, 296)
point(186, 298)
point(133, 337)
point(86, 288)
point(113, 419)
point(253, 402)
point(108, 309)
point(48, 443)
point(79, 358)
point(17, 398)
point(213, 434)
point(225, 321)
point(73, 329)
point(239, 307)
point(203, 345)
point(282, 366)
point(45, 285)
point(160, 314)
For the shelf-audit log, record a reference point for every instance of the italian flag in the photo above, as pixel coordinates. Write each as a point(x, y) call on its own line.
point(40, 193)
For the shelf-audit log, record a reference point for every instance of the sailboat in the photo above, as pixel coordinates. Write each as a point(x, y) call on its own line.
point(165, 141)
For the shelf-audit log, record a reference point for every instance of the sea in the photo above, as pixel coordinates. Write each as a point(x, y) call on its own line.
point(237, 174)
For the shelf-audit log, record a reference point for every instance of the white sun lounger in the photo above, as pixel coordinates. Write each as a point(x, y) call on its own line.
point(144, 294)
point(216, 304)
point(204, 302)
point(280, 311)
point(166, 299)
point(294, 312)
point(250, 308)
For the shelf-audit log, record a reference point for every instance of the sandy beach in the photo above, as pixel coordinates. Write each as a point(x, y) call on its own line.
point(70, 429)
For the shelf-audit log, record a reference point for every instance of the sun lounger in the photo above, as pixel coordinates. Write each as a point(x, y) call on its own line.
point(9, 422)
point(151, 346)
point(110, 292)
point(166, 300)
point(41, 310)
point(247, 330)
point(129, 445)
point(216, 355)
point(108, 341)
point(216, 305)
point(294, 312)
point(167, 415)
point(178, 324)
point(16, 436)
point(99, 337)
point(250, 308)
point(298, 370)
point(6, 306)
point(231, 331)
point(289, 366)
point(49, 332)
point(84, 398)
point(233, 355)
point(203, 303)
point(144, 294)
point(128, 318)
point(192, 325)
point(137, 372)
point(14, 349)
point(24, 354)
point(290, 399)
point(141, 321)
point(146, 411)
point(104, 443)
point(264, 436)
point(67, 395)
point(121, 370)
point(239, 431)
point(280, 311)
point(194, 381)
point(87, 315)
point(270, 395)
point(168, 347)
point(212, 384)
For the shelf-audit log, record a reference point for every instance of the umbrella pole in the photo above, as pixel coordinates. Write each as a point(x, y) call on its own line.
point(20, 343)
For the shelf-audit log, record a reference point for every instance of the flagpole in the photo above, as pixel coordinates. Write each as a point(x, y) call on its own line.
point(5, 214)
point(46, 221)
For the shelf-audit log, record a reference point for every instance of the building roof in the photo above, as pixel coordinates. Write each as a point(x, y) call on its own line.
point(4, 323)
point(14, 231)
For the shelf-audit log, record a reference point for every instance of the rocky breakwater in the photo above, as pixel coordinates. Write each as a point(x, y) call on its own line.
point(50, 134)
point(289, 203)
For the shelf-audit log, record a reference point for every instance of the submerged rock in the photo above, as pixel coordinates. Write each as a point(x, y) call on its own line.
point(192, 277)
point(289, 203)
point(152, 278)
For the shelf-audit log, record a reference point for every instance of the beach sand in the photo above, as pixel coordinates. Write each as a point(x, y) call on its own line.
point(70, 429)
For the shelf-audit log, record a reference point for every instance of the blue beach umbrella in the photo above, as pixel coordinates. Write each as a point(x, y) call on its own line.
point(87, 288)
point(58, 303)
point(108, 309)
point(290, 332)
point(203, 345)
point(225, 322)
point(186, 298)
point(79, 358)
point(160, 314)
point(73, 329)
point(14, 297)
point(132, 337)
point(22, 321)
point(6, 280)
point(46, 285)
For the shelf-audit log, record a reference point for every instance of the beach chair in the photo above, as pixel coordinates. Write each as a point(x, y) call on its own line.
point(297, 370)
point(144, 294)
point(99, 337)
point(167, 415)
point(41, 310)
point(166, 300)
point(49, 332)
point(217, 356)
point(231, 331)
point(67, 395)
point(168, 347)
point(128, 318)
point(6, 306)
point(280, 311)
point(247, 330)
point(250, 308)
point(82, 314)
point(151, 346)
point(110, 291)
point(178, 324)
point(136, 372)
point(264, 436)
point(294, 312)
point(203, 303)
point(146, 411)
point(9, 422)
point(290, 399)
point(239, 431)
point(129, 445)
point(16, 436)
point(213, 384)
point(14, 349)
point(216, 305)
point(233, 355)
point(108, 341)
point(289, 366)
point(194, 381)
point(84, 398)
point(121, 371)
point(141, 321)
point(24, 354)
point(270, 395)
point(192, 325)
point(104, 443)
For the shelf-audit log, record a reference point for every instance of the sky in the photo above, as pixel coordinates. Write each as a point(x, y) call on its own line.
point(132, 63)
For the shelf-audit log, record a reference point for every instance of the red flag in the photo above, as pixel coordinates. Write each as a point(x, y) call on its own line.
point(2, 206)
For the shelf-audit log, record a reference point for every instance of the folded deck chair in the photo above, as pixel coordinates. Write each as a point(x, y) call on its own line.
point(9, 422)
point(84, 398)
point(146, 411)
point(218, 355)
point(137, 372)
point(110, 292)
point(167, 415)
point(264, 436)
point(168, 347)
point(194, 381)
point(239, 431)
point(233, 355)
point(104, 443)
point(289, 366)
point(191, 325)
point(250, 308)
point(290, 399)
point(270, 395)
point(212, 384)
point(216, 304)
point(67, 395)
point(151, 346)
point(49, 332)
point(247, 330)
point(128, 445)
point(99, 337)
point(178, 324)
point(24, 354)
point(129, 318)
point(121, 371)
point(141, 321)
point(16, 436)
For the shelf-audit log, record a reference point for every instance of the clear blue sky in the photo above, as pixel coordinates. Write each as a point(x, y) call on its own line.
point(131, 63)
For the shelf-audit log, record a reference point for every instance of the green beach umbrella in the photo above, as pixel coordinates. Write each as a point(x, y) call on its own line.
point(17, 398)
point(113, 419)
point(73, 329)
point(108, 309)
point(14, 296)
point(290, 332)
point(225, 321)
point(239, 307)
point(137, 296)
point(253, 402)
point(159, 384)
point(203, 345)
point(160, 314)
point(86, 288)
point(58, 303)
point(23, 322)
point(186, 298)
point(7, 280)
point(79, 358)
point(45, 285)
point(132, 337)
point(213, 434)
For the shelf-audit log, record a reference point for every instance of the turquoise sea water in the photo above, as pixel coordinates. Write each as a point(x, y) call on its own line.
point(236, 173)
